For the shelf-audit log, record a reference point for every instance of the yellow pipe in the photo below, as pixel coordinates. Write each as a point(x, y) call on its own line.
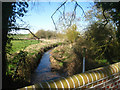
point(79, 79)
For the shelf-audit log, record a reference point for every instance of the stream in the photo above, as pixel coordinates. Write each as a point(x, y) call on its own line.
point(43, 72)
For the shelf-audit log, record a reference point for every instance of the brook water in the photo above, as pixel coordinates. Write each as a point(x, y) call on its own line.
point(43, 71)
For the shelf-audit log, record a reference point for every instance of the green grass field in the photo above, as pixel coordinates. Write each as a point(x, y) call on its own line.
point(20, 36)
point(21, 44)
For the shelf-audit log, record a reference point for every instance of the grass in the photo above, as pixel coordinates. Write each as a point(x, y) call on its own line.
point(21, 44)
point(102, 62)
point(61, 64)
point(20, 36)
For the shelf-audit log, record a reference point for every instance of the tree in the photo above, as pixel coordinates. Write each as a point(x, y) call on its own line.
point(99, 33)
point(40, 34)
point(114, 11)
point(104, 33)
point(72, 34)
point(10, 11)
point(45, 34)
point(104, 40)
point(96, 15)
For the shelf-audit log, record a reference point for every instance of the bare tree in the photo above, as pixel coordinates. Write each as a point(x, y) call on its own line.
point(63, 13)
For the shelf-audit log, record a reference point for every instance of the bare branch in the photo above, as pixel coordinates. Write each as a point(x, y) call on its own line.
point(81, 8)
point(61, 16)
point(64, 12)
point(26, 29)
point(54, 23)
point(60, 12)
point(55, 12)
point(21, 20)
point(105, 18)
point(73, 14)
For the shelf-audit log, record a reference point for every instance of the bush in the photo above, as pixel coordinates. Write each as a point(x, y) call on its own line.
point(45, 34)
point(72, 34)
point(101, 43)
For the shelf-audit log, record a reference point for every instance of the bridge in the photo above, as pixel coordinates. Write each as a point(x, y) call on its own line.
point(104, 77)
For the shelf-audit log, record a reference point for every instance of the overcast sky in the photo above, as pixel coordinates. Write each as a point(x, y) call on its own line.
point(39, 14)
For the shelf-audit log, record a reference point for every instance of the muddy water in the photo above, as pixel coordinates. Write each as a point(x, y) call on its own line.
point(43, 71)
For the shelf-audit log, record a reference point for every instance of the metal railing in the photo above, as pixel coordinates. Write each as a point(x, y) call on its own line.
point(103, 77)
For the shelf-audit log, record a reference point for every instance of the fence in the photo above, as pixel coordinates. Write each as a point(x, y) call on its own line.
point(104, 77)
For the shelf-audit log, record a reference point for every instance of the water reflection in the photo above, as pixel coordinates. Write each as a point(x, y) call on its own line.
point(43, 71)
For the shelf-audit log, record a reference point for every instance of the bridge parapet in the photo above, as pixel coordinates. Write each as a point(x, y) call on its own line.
point(103, 77)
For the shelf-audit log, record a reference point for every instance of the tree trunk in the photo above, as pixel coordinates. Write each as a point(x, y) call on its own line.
point(5, 17)
point(118, 33)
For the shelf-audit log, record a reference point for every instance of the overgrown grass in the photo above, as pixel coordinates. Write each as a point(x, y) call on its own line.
point(21, 44)
point(102, 61)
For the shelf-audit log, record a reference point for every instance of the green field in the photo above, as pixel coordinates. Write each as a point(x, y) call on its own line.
point(21, 44)
point(20, 36)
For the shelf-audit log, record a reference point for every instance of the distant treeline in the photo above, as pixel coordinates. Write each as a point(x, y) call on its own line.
point(43, 34)
point(40, 34)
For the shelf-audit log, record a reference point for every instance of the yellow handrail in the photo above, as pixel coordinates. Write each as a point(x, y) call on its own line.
point(78, 80)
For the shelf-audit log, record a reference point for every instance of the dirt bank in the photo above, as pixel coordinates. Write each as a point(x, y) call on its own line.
point(64, 61)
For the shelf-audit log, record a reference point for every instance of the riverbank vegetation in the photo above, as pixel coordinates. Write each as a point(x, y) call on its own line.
point(100, 42)
point(101, 49)
point(24, 58)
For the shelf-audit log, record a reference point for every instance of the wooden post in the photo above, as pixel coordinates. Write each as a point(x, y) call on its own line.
point(84, 50)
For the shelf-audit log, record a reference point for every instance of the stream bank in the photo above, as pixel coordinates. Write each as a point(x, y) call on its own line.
point(31, 57)
point(43, 71)
point(65, 61)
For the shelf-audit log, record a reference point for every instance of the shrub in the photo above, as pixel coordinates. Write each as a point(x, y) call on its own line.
point(72, 34)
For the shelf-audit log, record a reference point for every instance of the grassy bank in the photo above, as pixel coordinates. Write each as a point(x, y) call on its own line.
point(65, 60)
point(22, 63)
point(21, 44)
